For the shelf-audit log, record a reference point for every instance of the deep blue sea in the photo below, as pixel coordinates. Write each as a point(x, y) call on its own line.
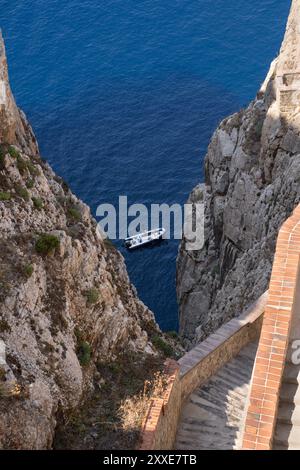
point(124, 95)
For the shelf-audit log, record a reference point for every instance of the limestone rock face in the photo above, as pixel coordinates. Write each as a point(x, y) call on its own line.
point(252, 184)
point(14, 127)
point(62, 309)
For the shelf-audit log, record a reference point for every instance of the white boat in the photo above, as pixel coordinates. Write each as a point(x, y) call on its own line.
point(144, 238)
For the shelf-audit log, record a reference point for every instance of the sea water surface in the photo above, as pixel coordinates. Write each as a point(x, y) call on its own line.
point(124, 95)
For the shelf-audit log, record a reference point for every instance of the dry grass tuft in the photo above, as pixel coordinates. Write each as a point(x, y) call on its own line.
point(10, 389)
point(133, 409)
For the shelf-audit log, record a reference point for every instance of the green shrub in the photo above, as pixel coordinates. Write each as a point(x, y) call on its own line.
point(37, 202)
point(78, 333)
point(21, 164)
point(22, 192)
point(84, 353)
point(4, 196)
point(30, 183)
point(74, 213)
point(115, 367)
point(28, 270)
point(92, 296)
point(162, 346)
point(13, 152)
point(46, 243)
point(172, 334)
point(33, 170)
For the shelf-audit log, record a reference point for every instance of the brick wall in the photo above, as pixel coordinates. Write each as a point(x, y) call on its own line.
point(273, 345)
point(160, 425)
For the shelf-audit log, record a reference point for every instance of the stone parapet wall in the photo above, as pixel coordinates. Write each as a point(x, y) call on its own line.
point(198, 365)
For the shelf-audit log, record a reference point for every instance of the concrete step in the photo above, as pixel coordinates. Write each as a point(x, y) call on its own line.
point(290, 393)
point(291, 374)
point(288, 414)
point(287, 435)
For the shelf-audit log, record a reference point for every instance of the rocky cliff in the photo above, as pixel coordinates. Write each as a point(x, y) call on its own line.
point(252, 184)
point(65, 298)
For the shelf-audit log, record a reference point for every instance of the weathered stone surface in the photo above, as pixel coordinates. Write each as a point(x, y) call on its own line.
point(14, 127)
point(252, 184)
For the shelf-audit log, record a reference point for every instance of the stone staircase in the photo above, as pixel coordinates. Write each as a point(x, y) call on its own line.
point(212, 417)
point(287, 433)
